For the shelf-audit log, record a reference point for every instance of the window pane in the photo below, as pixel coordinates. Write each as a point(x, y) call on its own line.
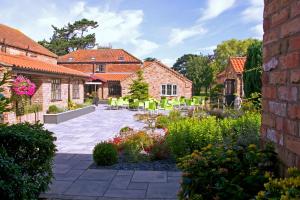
point(169, 89)
point(55, 89)
point(163, 89)
point(174, 89)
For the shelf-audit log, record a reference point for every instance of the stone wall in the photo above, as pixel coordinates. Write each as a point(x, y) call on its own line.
point(157, 75)
point(281, 79)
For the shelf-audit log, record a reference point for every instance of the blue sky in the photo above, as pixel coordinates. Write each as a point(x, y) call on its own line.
point(165, 29)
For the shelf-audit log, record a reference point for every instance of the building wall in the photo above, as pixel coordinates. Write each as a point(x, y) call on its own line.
point(156, 75)
point(281, 79)
point(15, 51)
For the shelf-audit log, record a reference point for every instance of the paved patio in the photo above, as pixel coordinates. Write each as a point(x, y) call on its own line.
point(73, 180)
point(81, 134)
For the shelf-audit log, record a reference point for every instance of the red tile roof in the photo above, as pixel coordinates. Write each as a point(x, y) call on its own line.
point(100, 55)
point(17, 39)
point(109, 77)
point(27, 63)
point(237, 63)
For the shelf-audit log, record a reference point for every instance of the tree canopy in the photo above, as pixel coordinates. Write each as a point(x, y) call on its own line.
point(200, 72)
point(71, 37)
point(139, 89)
point(150, 59)
point(253, 69)
point(229, 48)
point(181, 63)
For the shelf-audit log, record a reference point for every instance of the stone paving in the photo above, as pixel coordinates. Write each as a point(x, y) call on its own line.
point(74, 180)
point(81, 134)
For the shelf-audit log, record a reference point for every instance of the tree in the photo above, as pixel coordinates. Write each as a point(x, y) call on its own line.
point(253, 69)
point(150, 59)
point(139, 89)
point(229, 48)
point(199, 71)
point(181, 63)
point(71, 37)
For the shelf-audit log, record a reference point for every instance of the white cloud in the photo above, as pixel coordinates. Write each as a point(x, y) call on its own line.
point(178, 35)
point(115, 27)
point(254, 13)
point(206, 50)
point(215, 8)
point(258, 31)
point(168, 61)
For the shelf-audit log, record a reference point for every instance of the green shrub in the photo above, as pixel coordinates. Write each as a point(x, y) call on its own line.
point(160, 149)
point(162, 121)
point(28, 151)
point(187, 135)
point(282, 188)
point(32, 108)
point(226, 172)
point(105, 154)
point(53, 109)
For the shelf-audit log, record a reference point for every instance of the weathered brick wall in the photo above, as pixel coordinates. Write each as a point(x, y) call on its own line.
point(15, 51)
point(281, 79)
point(156, 75)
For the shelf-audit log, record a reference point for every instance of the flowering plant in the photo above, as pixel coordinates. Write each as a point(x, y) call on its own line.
point(23, 86)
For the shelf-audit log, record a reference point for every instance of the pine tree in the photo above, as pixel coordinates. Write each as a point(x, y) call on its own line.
point(139, 89)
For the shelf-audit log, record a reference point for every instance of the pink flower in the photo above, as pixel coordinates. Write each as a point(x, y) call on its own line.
point(23, 86)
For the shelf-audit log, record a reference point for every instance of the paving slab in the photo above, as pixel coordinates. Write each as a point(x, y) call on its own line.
point(125, 193)
point(125, 173)
point(98, 174)
point(162, 190)
point(138, 186)
point(87, 188)
point(58, 187)
point(71, 175)
point(150, 176)
point(120, 182)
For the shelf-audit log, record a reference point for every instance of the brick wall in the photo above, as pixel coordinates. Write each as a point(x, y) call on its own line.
point(15, 51)
point(157, 75)
point(281, 79)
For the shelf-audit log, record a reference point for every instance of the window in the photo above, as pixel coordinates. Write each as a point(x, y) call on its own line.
point(75, 90)
point(100, 69)
point(114, 88)
point(169, 90)
point(55, 89)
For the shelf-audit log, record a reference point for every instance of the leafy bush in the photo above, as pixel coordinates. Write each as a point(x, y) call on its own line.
point(105, 154)
point(33, 108)
point(163, 121)
point(26, 154)
point(226, 172)
point(279, 188)
point(191, 134)
point(160, 149)
point(53, 109)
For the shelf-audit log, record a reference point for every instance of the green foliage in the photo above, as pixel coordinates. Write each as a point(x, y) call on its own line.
point(187, 135)
point(4, 102)
point(139, 89)
point(33, 108)
point(53, 109)
point(199, 71)
point(26, 154)
point(181, 63)
point(282, 188)
point(105, 154)
point(163, 121)
point(160, 149)
point(226, 172)
point(150, 59)
point(229, 48)
point(253, 69)
point(71, 37)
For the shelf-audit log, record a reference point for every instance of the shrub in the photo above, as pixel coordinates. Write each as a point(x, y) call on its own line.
point(33, 108)
point(105, 154)
point(160, 149)
point(226, 172)
point(279, 188)
point(28, 151)
point(53, 109)
point(191, 134)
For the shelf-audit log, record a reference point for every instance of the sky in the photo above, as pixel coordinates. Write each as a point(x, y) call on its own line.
point(164, 29)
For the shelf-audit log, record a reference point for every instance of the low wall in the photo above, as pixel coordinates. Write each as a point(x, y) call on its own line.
point(65, 116)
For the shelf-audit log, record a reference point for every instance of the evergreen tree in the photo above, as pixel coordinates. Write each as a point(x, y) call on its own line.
point(71, 37)
point(139, 89)
point(253, 69)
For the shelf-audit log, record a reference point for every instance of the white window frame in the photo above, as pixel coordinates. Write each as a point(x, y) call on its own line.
point(100, 68)
point(173, 91)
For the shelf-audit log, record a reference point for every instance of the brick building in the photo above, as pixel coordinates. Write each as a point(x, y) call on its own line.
point(112, 71)
point(281, 79)
point(54, 83)
point(232, 78)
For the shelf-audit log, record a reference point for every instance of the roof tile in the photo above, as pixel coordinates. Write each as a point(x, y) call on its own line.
point(237, 63)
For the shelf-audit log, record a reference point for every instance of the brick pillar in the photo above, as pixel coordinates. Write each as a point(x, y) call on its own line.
point(281, 79)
